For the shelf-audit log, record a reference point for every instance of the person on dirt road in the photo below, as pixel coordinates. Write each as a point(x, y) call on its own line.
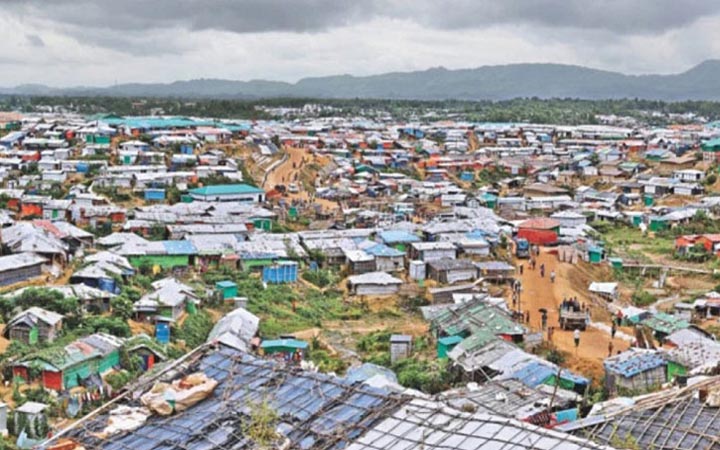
point(542, 270)
point(613, 330)
point(552, 276)
point(521, 269)
point(543, 320)
point(610, 349)
point(576, 337)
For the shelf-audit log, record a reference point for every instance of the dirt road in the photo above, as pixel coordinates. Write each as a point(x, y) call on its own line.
point(290, 172)
point(539, 292)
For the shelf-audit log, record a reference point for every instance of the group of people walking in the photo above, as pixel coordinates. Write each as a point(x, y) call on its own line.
point(533, 264)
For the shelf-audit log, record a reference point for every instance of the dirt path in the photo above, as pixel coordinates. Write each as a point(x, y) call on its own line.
point(539, 292)
point(290, 172)
point(4, 343)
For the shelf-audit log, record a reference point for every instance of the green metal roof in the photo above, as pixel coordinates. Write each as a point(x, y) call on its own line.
point(665, 323)
point(712, 144)
point(289, 343)
point(450, 340)
point(478, 340)
point(227, 189)
point(474, 318)
point(54, 358)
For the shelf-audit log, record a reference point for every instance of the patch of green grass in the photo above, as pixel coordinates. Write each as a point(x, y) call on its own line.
point(274, 306)
point(619, 238)
point(643, 298)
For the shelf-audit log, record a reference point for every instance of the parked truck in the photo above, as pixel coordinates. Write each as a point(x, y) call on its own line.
point(522, 248)
point(573, 318)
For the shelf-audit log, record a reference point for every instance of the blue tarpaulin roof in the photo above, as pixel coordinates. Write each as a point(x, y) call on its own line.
point(631, 364)
point(537, 373)
point(179, 247)
point(383, 250)
point(533, 374)
point(397, 237)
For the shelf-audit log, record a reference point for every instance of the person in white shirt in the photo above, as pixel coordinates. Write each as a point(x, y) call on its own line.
point(576, 335)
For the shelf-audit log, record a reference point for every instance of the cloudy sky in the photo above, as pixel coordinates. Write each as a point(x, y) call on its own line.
point(101, 42)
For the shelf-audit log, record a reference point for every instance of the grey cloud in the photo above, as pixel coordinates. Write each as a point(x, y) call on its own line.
point(150, 43)
point(241, 16)
point(35, 40)
point(250, 16)
point(619, 16)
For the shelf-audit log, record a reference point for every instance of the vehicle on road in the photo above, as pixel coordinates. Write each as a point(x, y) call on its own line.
point(522, 248)
point(573, 318)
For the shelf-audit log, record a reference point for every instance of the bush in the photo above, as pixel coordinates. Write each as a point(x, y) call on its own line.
point(430, 377)
point(320, 278)
point(112, 325)
point(194, 331)
point(643, 298)
point(602, 226)
point(118, 380)
point(378, 341)
point(122, 307)
point(555, 356)
point(327, 363)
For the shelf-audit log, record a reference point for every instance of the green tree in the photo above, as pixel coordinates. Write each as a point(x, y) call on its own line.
point(145, 267)
point(112, 325)
point(157, 232)
point(122, 307)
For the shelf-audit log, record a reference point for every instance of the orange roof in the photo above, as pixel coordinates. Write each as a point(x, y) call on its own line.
point(540, 223)
point(49, 227)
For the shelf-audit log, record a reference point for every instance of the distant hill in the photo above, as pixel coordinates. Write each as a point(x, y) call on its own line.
point(702, 82)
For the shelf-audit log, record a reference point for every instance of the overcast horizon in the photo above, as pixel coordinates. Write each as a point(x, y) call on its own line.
point(99, 43)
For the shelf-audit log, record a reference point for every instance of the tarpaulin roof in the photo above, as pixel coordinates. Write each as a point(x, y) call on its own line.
point(315, 409)
point(634, 361)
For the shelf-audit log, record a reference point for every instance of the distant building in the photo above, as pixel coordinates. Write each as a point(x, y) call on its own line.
point(228, 193)
point(20, 267)
point(33, 325)
point(635, 370)
point(400, 347)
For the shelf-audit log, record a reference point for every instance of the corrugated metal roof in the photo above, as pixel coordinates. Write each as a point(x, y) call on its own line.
point(315, 410)
point(429, 425)
point(634, 361)
point(20, 260)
